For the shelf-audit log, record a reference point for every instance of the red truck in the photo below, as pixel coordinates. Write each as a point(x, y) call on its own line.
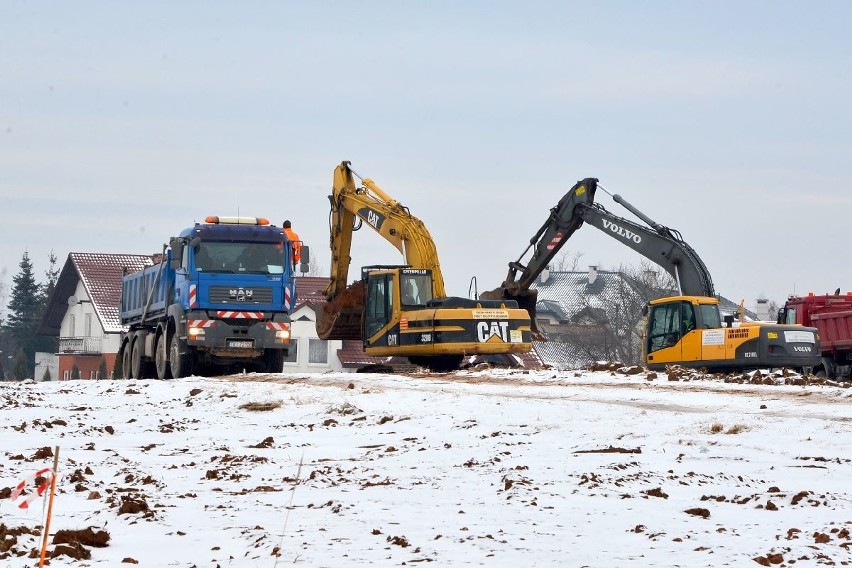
point(831, 314)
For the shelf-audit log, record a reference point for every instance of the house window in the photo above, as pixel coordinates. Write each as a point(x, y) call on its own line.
point(88, 325)
point(65, 376)
point(91, 375)
point(292, 356)
point(318, 351)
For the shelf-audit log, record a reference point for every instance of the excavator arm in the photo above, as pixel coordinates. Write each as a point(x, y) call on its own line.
point(658, 243)
point(351, 206)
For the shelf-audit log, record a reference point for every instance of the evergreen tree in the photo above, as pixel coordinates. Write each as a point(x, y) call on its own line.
point(43, 342)
point(46, 376)
point(25, 307)
point(2, 371)
point(75, 372)
point(52, 275)
point(102, 370)
point(21, 367)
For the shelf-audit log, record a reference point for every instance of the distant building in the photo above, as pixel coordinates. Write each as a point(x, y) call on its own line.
point(83, 311)
point(576, 309)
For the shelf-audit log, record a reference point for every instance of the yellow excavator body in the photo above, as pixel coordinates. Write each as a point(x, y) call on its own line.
point(404, 310)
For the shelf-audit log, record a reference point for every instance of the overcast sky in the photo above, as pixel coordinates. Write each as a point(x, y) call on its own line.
point(123, 123)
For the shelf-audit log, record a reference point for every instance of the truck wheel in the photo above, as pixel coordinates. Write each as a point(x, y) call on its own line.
point(161, 358)
point(136, 360)
point(179, 363)
point(126, 368)
point(274, 360)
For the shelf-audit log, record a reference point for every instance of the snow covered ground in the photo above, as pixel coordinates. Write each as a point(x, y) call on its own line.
point(488, 468)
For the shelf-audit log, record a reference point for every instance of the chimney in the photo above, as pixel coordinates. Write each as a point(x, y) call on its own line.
point(762, 310)
point(593, 274)
point(545, 274)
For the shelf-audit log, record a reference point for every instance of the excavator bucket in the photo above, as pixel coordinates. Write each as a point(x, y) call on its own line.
point(340, 318)
point(526, 300)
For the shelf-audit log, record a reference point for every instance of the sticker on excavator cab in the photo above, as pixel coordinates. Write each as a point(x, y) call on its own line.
point(392, 339)
point(490, 314)
point(772, 335)
point(515, 336)
point(492, 331)
point(580, 190)
point(414, 271)
point(713, 337)
point(403, 324)
point(799, 337)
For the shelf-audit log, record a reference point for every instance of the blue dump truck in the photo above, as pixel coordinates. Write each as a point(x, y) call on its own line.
point(219, 301)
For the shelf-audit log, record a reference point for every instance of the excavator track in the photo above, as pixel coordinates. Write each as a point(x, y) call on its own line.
point(340, 318)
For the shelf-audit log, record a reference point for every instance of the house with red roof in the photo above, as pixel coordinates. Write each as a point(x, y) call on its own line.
point(83, 311)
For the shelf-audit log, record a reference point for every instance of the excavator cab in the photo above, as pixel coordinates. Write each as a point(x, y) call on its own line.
point(392, 290)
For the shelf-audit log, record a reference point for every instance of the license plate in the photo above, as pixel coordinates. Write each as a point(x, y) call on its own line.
point(240, 343)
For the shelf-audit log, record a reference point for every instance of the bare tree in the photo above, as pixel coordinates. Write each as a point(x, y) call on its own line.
point(617, 316)
point(314, 268)
point(566, 262)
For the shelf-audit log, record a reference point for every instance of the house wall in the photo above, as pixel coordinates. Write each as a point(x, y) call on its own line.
point(88, 365)
point(303, 329)
point(110, 342)
point(46, 362)
point(81, 321)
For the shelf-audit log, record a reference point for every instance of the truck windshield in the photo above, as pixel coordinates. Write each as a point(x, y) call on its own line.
point(230, 257)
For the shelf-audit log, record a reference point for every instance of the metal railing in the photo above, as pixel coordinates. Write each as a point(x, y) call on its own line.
point(89, 345)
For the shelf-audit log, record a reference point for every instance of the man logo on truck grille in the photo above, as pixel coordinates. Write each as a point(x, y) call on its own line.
point(240, 294)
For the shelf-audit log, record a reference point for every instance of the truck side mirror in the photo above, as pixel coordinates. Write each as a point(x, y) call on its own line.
point(177, 253)
point(304, 263)
point(729, 320)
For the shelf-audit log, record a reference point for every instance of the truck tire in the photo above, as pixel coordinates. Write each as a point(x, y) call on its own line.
point(274, 360)
point(136, 367)
point(161, 358)
point(179, 363)
point(125, 361)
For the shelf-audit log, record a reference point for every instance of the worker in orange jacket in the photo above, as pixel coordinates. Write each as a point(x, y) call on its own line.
point(295, 241)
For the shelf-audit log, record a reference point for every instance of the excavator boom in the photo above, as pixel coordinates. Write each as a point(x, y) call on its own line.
point(660, 244)
point(351, 206)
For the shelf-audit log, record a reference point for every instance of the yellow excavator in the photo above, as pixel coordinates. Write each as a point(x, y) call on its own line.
point(685, 329)
point(403, 310)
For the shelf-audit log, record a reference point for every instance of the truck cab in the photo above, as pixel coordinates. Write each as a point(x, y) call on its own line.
point(220, 301)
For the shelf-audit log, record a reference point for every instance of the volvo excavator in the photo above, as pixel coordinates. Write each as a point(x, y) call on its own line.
point(685, 329)
point(404, 310)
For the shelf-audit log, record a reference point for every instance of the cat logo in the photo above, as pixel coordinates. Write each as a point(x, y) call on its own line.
point(374, 218)
point(486, 330)
point(392, 340)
